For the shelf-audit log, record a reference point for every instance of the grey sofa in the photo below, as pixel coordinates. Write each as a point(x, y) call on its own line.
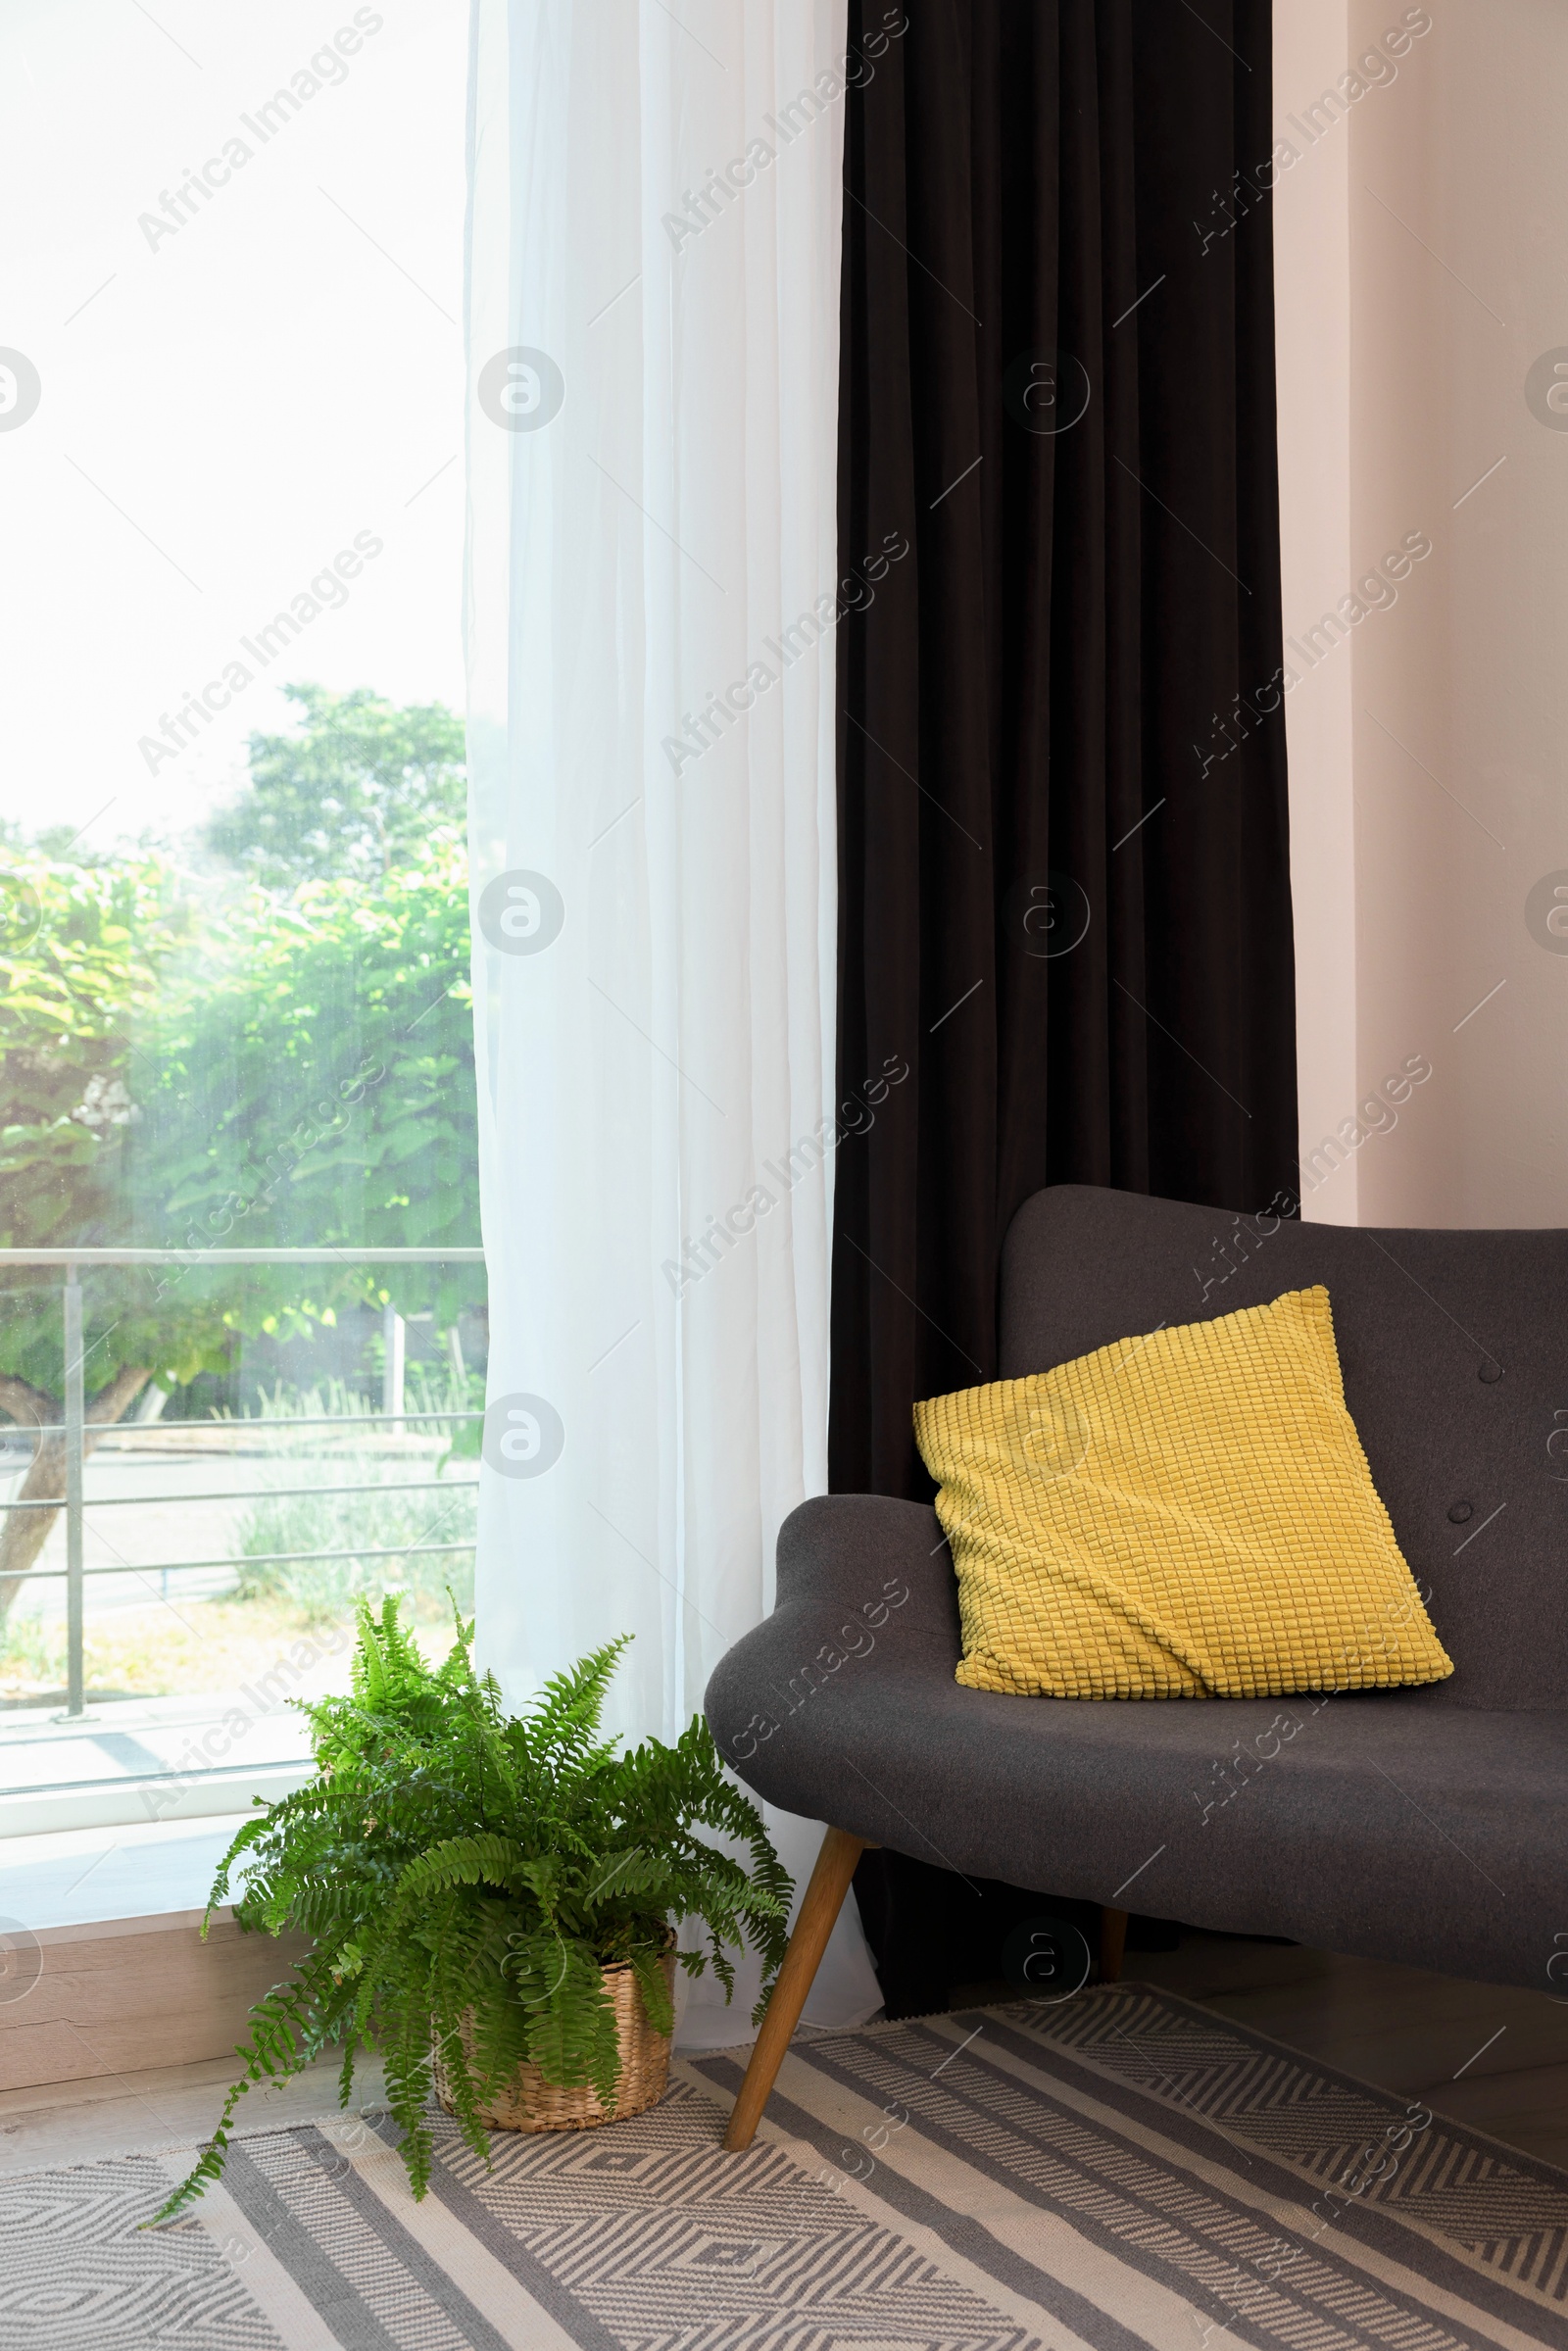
point(1428, 1826)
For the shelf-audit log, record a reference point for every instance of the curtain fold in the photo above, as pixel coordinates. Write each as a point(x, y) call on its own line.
point(1065, 897)
point(654, 241)
point(1063, 857)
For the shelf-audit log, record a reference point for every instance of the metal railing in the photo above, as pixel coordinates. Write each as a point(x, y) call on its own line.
point(74, 1428)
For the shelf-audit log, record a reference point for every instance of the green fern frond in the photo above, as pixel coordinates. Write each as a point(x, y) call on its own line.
point(482, 1860)
point(658, 2005)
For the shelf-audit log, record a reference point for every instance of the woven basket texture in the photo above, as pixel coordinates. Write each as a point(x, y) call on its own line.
point(531, 2103)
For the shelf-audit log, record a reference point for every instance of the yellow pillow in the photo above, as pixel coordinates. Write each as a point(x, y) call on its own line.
point(1186, 1515)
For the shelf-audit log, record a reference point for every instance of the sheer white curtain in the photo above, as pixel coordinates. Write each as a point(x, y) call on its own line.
point(652, 343)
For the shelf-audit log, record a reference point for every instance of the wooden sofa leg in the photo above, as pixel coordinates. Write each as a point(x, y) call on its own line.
point(1112, 1944)
point(821, 1906)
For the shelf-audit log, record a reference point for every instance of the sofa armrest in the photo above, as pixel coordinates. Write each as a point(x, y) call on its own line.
point(840, 1548)
point(867, 1599)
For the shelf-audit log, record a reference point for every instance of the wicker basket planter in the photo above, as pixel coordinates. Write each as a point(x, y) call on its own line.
point(531, 2103)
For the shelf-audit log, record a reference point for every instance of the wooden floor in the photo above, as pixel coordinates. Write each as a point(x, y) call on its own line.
point(125, 2114)
point(1491, 2057)
point(1485, 2054)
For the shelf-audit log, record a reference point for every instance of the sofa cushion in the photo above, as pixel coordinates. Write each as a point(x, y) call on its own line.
point(1185, 1513)
point(1383, 1823)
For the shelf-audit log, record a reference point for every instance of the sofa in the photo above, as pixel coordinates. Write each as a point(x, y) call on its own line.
point(1426, 1825)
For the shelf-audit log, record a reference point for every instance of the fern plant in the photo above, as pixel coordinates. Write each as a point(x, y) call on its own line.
point(466, 1876)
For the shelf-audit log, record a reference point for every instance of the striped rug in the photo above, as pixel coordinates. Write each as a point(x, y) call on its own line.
point(1124, 2170)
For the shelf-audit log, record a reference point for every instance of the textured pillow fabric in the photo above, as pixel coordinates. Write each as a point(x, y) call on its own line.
point(1185, 1515)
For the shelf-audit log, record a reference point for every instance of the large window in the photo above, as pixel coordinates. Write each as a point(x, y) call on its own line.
point(242, 1303)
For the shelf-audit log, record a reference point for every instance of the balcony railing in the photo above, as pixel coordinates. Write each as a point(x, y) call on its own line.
point(73, 1428)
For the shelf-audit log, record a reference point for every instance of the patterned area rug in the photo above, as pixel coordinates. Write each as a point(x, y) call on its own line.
point(1122, 2170)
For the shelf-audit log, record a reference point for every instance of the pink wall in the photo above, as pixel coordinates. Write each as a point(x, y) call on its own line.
point(1422, 250)
point(1311, 250)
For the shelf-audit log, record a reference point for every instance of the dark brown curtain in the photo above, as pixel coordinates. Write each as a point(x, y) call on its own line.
point(1065, 897)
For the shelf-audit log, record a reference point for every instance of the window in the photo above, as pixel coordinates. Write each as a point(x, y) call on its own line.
point(235, 1043)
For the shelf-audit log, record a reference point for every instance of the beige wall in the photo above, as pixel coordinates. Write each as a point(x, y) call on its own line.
point(1438, 710)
